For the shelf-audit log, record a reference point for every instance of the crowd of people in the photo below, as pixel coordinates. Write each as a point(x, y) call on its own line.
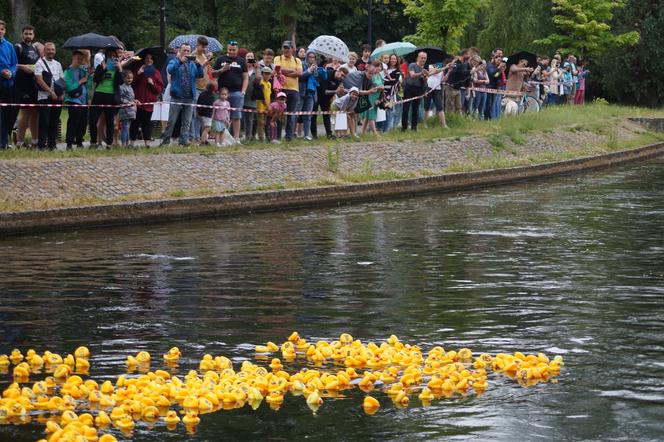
point(236, 97)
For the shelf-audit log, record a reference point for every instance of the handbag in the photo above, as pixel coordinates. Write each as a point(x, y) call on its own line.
point(363, 104)
point(59, 85)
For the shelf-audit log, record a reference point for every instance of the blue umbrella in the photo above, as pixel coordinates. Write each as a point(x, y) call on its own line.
point(399, 48)
point(192, 39)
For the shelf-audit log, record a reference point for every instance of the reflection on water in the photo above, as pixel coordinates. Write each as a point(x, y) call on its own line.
point(571, 267)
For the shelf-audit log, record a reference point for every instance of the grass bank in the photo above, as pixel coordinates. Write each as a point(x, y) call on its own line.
point(593, 116)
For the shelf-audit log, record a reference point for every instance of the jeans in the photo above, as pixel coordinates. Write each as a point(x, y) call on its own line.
point(236, 99)
point(178, 106)
point(48, 124)
point(124, 131)
point(195, 128)
point(248, 120)
point(323, 103)
point(292, 98)
point(497, 105)
point(394, 116)
point(488, 106)
point(143, 122)
point(306, 104)
point(478, 104)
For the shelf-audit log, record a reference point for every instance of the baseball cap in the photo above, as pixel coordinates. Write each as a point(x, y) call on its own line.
point(287, 44)
point(281, 94)
point(266, 70)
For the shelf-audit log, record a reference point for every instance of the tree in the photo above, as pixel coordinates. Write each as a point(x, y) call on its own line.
point(635, 76)
point(514, 24)
point(441, 22)
point(20, 15)
point(583, 27)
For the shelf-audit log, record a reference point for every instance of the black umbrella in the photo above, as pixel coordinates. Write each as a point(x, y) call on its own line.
point(158, 55)
point(434, 54)
point(91, 41)
point(523, 55)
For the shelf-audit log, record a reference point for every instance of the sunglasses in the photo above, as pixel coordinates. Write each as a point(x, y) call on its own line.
point(232, 42)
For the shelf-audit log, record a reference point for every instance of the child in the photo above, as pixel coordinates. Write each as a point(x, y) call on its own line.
point(206, 98)
point(347, 104)
point(221, 116)
point(276, 114)
point(263, 103)
point(127, 113)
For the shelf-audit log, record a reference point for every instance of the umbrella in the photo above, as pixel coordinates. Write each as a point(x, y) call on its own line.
point(523, 55)
point(91, 41)
point(434, 54)
point(158, 55)
point(330, 46)
point(192, 40)
point(399, 48)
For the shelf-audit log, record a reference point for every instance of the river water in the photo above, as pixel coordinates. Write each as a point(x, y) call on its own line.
point(571, 267)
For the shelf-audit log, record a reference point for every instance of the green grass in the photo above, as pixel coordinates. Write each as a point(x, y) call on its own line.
point(595, 117)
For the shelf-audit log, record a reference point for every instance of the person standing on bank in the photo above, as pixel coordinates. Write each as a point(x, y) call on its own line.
point(291, 68)
point(26, 88)
point(107, 78)
point(231, 72)
point(48, 73)
point(76, 78)
point(183, 72)
point(147, 85)
point(415, 85)
point(8, 66)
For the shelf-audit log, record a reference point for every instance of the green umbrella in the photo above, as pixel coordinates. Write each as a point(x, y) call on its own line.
point(400, 48)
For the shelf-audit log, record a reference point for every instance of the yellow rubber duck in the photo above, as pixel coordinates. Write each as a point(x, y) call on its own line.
point(191, 418)
point(82, 352)
point(102, 419)
point(22, 371)
point(370, 405)
point(207, 363)
point(314, 401)
point(69, 360)
point(82, 365)
point(4, 361)
point(276, 365)
point(171, 418)
point(173, 355)
point(107, 438)
point(36, 362)
point(143, 357)
point(62, 371)
point(132, 362)
point(150, 413)
point(16, 356)
point(426, 395)
point(126, 423)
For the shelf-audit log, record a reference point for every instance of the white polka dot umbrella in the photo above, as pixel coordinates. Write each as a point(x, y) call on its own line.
point(330, 46)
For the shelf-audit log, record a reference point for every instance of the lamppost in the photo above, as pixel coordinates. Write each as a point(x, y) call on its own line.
point(162, 24)
point(370, 36)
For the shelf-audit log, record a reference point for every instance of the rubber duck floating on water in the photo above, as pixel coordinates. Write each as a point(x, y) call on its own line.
point(74, 409)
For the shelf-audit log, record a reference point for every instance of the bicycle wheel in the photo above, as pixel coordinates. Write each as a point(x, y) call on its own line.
point(531, 105)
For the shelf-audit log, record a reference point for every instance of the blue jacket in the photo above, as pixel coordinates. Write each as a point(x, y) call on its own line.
point(308, 82)
point(9, 61)
point(195, 71)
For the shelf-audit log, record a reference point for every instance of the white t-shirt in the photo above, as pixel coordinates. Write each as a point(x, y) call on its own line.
point(56, 70)
point(434, 81)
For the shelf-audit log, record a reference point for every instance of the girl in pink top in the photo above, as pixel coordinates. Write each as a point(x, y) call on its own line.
point(221, 116)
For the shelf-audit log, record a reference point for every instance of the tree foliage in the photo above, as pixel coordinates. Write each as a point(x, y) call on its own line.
point(635, 76)
point(583, 27)
point(441, 22)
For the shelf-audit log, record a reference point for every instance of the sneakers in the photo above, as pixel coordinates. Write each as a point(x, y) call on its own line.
point(308, 138)
point(275, 142)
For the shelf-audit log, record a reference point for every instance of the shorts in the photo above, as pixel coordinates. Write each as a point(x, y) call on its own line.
point(26, 94)
point(435, 97)
point(237, 102)
point(205, 121)
point(218, 126)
